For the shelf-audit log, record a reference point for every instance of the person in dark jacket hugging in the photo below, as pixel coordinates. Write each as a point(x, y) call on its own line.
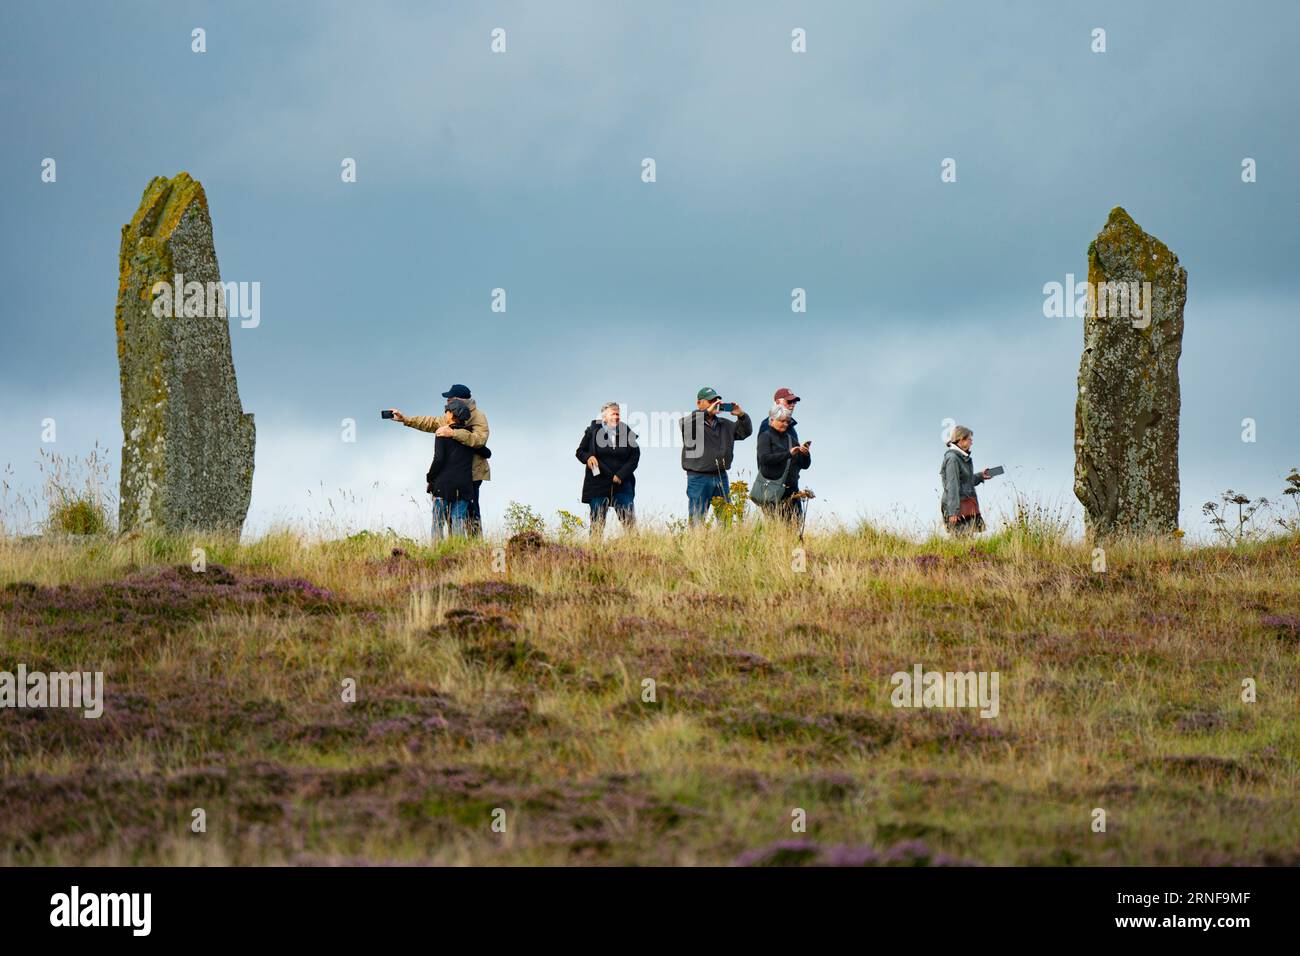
point(451, 476)
point(610, 453)
point(780, 453)
point(960, 506)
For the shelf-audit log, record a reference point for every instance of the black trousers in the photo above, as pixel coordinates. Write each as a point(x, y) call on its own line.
point(787, 509)
point(474, 520)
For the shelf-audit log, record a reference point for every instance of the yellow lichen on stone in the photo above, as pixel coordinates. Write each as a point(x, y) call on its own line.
point(188, 449)
point(183, 191)
point(1127, 410)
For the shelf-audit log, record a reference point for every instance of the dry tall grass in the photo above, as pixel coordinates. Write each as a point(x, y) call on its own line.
point(525, 690)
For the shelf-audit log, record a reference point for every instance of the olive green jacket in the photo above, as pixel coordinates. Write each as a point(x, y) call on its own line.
point(476, 436)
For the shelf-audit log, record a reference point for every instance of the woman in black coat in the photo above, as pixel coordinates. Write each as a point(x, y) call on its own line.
point(779, 452)
point(450, 478)
point(610, 453)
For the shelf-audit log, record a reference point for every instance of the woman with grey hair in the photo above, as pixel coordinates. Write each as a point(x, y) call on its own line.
point(960, 506)
point(610, 453)
point(781, 457)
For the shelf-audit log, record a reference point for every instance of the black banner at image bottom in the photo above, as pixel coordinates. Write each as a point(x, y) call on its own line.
point(333, 905)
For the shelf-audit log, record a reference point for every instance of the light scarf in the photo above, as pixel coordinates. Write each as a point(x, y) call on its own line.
point(964, 454)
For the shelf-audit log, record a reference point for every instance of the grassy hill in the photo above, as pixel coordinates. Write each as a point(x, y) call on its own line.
point(514, 678)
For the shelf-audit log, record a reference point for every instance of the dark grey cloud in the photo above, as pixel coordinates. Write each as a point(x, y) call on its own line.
point(774, 171)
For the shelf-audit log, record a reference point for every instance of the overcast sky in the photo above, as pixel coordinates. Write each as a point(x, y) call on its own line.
point(775, 170)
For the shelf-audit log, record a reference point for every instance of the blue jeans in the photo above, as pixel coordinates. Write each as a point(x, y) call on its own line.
point(700, 492)
point(454, 513)
point(623, 507)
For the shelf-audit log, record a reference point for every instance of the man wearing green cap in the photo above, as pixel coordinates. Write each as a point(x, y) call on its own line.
point(707, 445)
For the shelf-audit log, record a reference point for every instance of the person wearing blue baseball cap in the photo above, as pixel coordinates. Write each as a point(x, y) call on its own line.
point(473, 433)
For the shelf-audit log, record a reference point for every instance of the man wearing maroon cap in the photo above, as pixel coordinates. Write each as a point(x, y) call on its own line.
point(785, 398)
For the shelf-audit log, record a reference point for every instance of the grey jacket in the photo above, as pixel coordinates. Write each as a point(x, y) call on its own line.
point(708, 448)
point(959, 480)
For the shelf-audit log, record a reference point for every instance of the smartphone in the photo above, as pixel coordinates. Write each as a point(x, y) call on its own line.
point(386, 413)
point(595, 469)
point(996, 470)
point(727, 407)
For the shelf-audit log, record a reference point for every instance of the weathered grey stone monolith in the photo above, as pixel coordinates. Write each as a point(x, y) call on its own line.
point(187, 450)
point(1126, 416)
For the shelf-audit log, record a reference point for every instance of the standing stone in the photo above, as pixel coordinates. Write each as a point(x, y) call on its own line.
point(187, 450)
point(1126, 417)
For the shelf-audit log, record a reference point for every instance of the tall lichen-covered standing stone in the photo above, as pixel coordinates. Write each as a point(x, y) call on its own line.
point(1126, 417)
point(187, 451)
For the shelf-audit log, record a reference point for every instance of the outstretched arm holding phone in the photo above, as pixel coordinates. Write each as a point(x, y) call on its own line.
point(424, 423)
point(476, 436)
